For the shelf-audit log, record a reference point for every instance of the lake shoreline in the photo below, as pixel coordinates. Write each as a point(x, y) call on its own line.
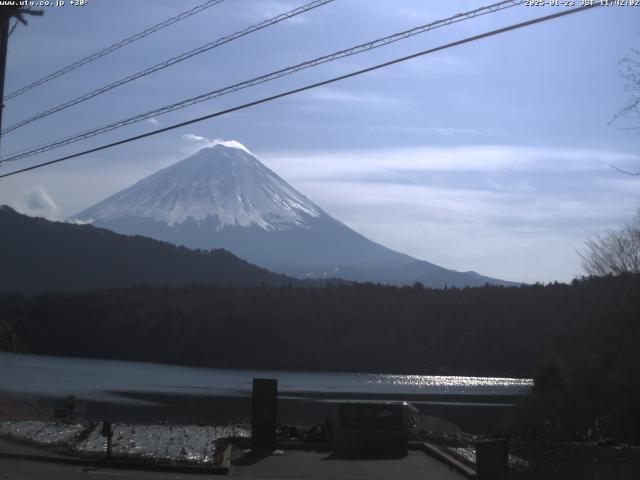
point(153, 393)
point(488, 417)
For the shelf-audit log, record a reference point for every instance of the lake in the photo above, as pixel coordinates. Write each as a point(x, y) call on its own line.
point(120, 384)
point(96, 379)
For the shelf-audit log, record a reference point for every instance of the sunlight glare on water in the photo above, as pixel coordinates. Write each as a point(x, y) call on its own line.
point(455, 384)
point(108, 380)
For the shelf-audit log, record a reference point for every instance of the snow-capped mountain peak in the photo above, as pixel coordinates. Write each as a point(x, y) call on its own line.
point(223, 197)
point(224, 183)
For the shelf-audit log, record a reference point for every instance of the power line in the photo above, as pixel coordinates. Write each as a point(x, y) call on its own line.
point(13, 9)
point(114, 47)
point(307, 87)
point(169, 62)
point(364, 47)
point(15, 24)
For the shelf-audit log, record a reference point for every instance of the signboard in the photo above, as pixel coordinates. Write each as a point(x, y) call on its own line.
point(371, 429)
point(371, 416)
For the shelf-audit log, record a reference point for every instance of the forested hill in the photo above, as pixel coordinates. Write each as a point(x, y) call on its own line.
point(37, 255)
point(363, 327)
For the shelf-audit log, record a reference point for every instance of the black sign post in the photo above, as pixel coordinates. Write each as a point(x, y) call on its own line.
point(71, 408)
point(60, 414)
point(107, 431)
point(264, 414)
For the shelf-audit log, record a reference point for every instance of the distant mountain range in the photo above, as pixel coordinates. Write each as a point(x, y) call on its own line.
point(224, 197)
point(38, 255)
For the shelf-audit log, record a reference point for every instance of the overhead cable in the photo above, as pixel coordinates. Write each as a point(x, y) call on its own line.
point(114, 47)
point(363, 47)
point(306, 87)
point(168, 63)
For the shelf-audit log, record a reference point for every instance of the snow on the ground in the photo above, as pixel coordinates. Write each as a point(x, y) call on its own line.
point(194, 444)
point(174, 443)
point(469, 455)
point(41, 433)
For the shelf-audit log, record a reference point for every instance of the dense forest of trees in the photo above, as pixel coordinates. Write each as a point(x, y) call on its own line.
point(587, 383)
point(579, 341)
point(364, 327)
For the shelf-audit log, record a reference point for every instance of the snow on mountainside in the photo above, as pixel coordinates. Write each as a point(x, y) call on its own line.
point(223, 197)
point(223, 182)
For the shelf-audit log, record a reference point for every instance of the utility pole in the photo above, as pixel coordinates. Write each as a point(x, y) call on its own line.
point(6, 13)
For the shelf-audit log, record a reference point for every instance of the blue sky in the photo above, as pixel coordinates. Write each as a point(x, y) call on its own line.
point(493, 156)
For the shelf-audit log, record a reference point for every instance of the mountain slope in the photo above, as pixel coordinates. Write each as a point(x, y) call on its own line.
point(222, 182)
point(223, 197)
point(38, 255)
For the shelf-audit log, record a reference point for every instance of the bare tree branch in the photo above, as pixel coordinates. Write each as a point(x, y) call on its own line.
point(630, 71)
point(625, 171)
point(615, 251)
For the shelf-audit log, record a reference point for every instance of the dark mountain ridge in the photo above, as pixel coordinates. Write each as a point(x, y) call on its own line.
point(39, 255)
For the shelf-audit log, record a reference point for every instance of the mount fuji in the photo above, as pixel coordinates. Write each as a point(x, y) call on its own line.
point(224, 197)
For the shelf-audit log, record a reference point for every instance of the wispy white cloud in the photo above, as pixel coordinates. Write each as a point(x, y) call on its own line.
point(77, 221)
point(153, 121)
point(391, 129)
point(37, 203)
point(203, 142)
point(193, 138)
point(482, 158)
point(437, 131)
point(328, 94)
point(327, 98)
